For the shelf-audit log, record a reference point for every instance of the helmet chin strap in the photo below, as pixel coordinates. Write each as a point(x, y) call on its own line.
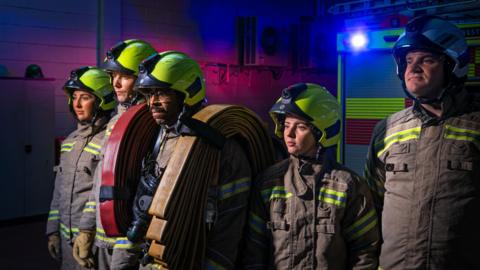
point(437, 99)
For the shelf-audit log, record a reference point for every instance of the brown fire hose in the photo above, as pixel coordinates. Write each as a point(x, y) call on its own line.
point(178, 228)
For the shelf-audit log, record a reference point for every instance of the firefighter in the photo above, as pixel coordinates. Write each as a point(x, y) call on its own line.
point(90, 99)
point(113, 253)
point(308, 211)
point(174, 85)
point(423, 162)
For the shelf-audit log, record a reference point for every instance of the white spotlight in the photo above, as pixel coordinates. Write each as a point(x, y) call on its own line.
point(358, 40)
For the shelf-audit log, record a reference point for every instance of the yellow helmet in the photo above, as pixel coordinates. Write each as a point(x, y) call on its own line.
point(95, 81)
point(125, 56)
point(172, 70)
point(314, 104)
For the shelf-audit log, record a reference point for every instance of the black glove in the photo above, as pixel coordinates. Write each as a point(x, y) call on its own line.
point(143, 199)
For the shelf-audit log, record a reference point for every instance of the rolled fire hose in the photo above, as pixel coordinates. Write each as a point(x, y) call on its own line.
point(131, 139)
point(178, 229)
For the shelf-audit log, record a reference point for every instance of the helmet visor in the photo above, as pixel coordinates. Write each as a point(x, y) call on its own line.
point(286, 104)
point(111, 62)
point(74, 80)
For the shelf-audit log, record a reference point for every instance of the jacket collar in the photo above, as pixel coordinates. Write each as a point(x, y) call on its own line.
point(89, 129)
point(456, 102)
point(124, 106)
point(302, 171)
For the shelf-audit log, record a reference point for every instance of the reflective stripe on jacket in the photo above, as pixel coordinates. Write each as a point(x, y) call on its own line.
point(298, 221)
point(91, 216)
point(74, 178)
point(425, 174)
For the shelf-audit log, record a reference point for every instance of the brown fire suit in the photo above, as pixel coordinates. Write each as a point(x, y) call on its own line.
point(113, 252)
point(301, 220)
point(79, 157)
point(229, 198)
point(425, 172)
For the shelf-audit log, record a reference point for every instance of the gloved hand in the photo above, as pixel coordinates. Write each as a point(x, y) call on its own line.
point(82, 249)
point(54, 246)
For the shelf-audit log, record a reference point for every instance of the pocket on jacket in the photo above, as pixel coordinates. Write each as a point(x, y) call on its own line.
point(278, 225)
point(401, 148)
point(324, 221)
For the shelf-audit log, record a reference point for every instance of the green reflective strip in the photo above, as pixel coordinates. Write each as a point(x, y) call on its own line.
point(67, 147)
point(90, 207)
point(275, 192)
point(331, 196)
point(461, 134)
point(362, 226)
point(257, 223)
point(53, 215)
point(401, 136)
point(123, 243)
point(90, 150)
point(372, 108)
point(67, 231)
point(94, 145)
point(211, 265)
point(234, 188)
point(461, 130)
point(100, 235)
point(68, 144)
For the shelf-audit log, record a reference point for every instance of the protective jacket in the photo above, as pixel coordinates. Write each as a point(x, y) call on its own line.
point(425, 173)
point(90, 220)
point(227, 202)
point(304, 218)
point(80, 153)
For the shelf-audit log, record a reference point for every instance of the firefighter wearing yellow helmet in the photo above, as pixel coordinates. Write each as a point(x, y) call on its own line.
point(91, 101)
point(121, 62)
point(174, 87)
point(308, 211)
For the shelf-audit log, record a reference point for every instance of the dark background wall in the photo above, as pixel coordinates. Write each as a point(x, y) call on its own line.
point(63, 35)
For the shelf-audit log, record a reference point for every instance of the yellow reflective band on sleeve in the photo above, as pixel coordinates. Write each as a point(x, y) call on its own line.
point(362, 226)
point(100, 235)
point(276, 192)
point(67, 232)
point(67, 147)
point(118, 242)
point(123, 243)
point(397, 137)
point(93, 148)
point(234, 188)
point(461, 134)
point(334, 197)
point(90, 207)
point(211, 265)
point(53, 215)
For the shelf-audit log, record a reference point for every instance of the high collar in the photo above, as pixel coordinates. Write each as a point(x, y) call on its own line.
point(88, 129)
point(124, 106)
point(457, 101)
point(301, 172)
